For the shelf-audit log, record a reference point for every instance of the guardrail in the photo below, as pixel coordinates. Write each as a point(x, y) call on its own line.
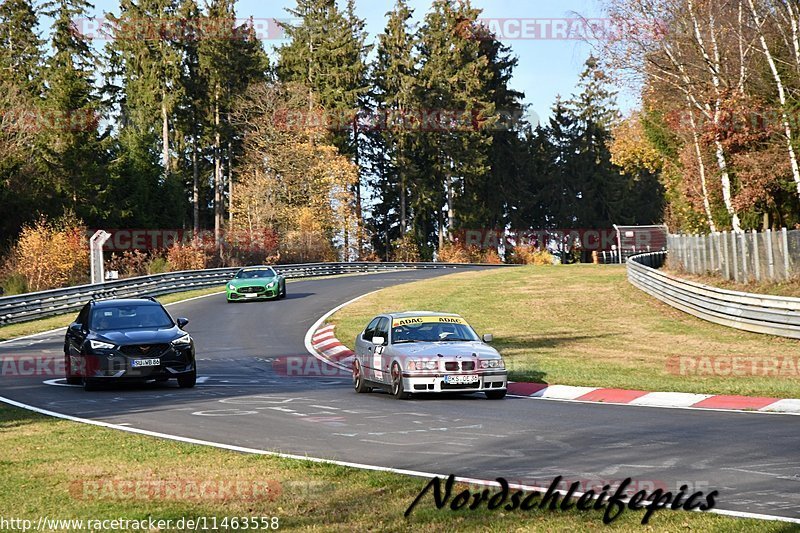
point(759, 313)
point(42, 304)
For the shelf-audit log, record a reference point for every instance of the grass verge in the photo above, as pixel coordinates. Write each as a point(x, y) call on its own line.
point(790, 287)
point(53, 468)
point(585, 325)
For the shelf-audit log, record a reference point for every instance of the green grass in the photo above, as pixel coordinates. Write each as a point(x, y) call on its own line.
point(582, 325)
point(47, 464)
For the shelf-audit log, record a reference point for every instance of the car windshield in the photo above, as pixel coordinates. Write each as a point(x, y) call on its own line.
point(130, 317)
point(255, 273)
point(430, 331)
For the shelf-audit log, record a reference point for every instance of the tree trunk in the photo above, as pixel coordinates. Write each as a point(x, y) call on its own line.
point(403, 221)
point(217, 175)
point(195, 186)
point(165, 133)
point(359, 221)
point(230, 184)
point(787, 128)
point(702, 170)
point(714, 68)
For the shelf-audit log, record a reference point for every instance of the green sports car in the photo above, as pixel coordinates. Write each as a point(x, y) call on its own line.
point(255, 283)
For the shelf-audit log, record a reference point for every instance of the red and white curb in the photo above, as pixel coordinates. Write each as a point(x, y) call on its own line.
point(332, 350)
point(656, 399)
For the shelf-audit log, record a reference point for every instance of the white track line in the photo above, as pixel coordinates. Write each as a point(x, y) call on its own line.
point(361, 466)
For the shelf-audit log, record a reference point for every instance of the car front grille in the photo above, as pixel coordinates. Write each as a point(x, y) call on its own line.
point(254, 289)
point(454, 366)
point(144, 350)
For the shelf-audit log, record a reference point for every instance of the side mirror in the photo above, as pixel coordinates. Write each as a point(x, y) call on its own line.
point(488, 337)
point(378, 341)
point(182, 322)
point(75, 327)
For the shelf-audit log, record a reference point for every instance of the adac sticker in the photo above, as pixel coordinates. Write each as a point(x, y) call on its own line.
point(428, 319)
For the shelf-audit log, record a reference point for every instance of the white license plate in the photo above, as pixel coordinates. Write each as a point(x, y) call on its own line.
point(250, 295)
point(461, 380)
point(138, 363)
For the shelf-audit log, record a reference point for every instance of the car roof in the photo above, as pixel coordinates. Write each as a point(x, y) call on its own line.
point(124, 301)
point(409, 314)
point(256, 267)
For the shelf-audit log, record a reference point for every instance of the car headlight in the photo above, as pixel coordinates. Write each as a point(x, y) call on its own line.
point(271, 284)
point(422, 365)
point(492, 363)
point(232, 287)
point(100, 345)
point(186, 339)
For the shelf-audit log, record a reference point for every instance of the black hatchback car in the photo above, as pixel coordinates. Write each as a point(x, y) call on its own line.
point(128, 340)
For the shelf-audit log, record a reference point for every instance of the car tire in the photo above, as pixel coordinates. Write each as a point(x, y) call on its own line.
point(187, 381)
point(71, 380)
point(90, 385)
point(358, 379)
point(496, 394)
point(282, 294)
point(397, 383)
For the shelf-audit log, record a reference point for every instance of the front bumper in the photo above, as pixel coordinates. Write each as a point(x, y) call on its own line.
point(420, 382)
point(115, 365)
point(262, 295)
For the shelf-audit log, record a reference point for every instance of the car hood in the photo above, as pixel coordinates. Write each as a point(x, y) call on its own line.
point(447, 349)
point(251, 281)
point(140, 336)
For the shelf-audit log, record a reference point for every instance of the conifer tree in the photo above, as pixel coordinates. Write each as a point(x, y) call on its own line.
point(74, 156)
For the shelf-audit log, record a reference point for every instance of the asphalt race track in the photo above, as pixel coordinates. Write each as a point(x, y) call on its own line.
point(753, 460)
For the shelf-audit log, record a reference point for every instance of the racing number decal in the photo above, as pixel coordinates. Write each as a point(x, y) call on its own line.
point(377, 356)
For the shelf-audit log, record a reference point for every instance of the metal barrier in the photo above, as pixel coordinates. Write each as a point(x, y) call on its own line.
point(759, 313)
point(35, 305)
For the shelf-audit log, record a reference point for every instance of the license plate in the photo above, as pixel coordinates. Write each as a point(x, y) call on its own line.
point(138, 363)
point(250, 295)
point(460, 380)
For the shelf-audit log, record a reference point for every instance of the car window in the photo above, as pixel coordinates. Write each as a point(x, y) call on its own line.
point(256, 273)
point(129, 317)
point(370, 331)
point(83, 316)
point(383, 329)
point(429, 329)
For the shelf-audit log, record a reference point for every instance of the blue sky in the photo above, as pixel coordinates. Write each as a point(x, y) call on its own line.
point(547, 67)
